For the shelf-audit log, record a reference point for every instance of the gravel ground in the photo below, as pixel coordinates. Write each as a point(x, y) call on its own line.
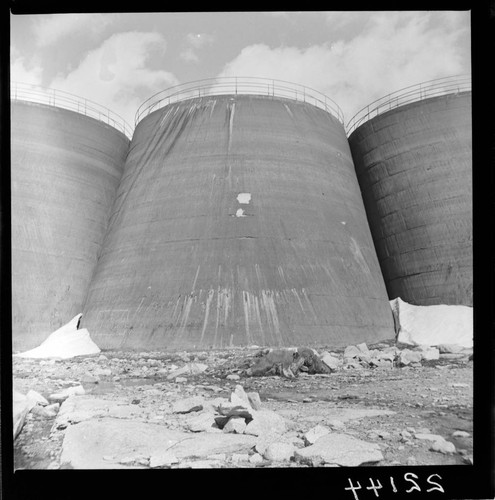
point(433, 397)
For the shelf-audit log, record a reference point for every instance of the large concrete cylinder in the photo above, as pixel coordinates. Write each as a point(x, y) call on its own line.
point(414, 168)
point(238, 221)
point(65, 169)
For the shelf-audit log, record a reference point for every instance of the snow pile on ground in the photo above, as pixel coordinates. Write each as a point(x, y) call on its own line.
point(433, 325)
point(66, 342)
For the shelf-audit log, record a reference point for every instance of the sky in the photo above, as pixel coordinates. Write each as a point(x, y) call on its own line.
point(118, 60)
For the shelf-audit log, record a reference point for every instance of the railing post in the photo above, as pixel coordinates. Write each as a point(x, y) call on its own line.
point(236, 85)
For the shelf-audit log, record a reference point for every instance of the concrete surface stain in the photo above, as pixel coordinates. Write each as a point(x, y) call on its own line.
point(358, 256)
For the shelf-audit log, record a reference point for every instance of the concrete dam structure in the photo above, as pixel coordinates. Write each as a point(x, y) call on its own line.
point(414, 167)
point(65, 169)
point(234, 217)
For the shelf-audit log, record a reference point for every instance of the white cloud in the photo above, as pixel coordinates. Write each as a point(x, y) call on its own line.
point(195, 42)
point(116, 74)
point(393, 50)
point(189, 55)
point(198, 40)
point(22, 71)
point(49, 29)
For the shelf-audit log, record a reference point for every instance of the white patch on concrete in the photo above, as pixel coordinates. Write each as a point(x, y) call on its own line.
point(211, 293)
point(244, 198)
point(240, 213)
point(231, 125)
point(289, 111)
point(358, 256)
point(269, 305)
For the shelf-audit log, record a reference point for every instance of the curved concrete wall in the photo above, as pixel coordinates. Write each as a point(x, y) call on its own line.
point(65, 168)
point(414, 168)
point(238, 221)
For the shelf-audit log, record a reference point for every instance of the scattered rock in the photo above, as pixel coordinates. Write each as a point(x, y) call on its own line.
point(36, 397)
point(430, 353)
point(233, 376)
point(61, 396)
point(351, 352)
point(450, 348)
point(239, 397)
point(49, 411)
point(443, 446)
point(314, 434)
point(188, 405)
point(428, 436)
point(229, 410)
point(461, 434)
point(254, 400)
point(239, 457)
point(279, 451)
point(276, 362)
point(236, 425)
point(103, 372)
point(188, 369)
point(87, 378)
point(163, 459)
point(407, 357)
point(363, 348)
point(266, 421)
point(86, 443)
point(256, 458)
point(337, 425)
point(309, 360)
point(21, 407)
point(340, 449)
point(204, 422)
point(331, 361)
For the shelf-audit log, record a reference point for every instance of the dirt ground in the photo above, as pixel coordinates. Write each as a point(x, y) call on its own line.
point(432, 397)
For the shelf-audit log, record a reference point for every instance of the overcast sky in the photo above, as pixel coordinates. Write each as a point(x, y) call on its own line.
point(119, 60)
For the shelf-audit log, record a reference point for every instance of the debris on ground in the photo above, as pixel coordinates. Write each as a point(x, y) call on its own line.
point(286, 407)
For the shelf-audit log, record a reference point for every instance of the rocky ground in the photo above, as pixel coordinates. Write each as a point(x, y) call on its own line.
point(382, 405)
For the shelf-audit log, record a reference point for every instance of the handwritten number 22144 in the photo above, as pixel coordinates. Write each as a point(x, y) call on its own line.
point(409, 476)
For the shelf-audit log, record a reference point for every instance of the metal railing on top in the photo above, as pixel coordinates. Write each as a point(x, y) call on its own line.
point(238, 85)
point(417, 92)
point(60, 99)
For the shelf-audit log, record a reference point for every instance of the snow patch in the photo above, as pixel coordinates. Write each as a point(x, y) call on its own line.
point(433, 325)
point(66, 342)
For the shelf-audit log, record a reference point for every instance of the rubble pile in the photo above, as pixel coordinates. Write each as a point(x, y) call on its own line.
point(292, 361)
